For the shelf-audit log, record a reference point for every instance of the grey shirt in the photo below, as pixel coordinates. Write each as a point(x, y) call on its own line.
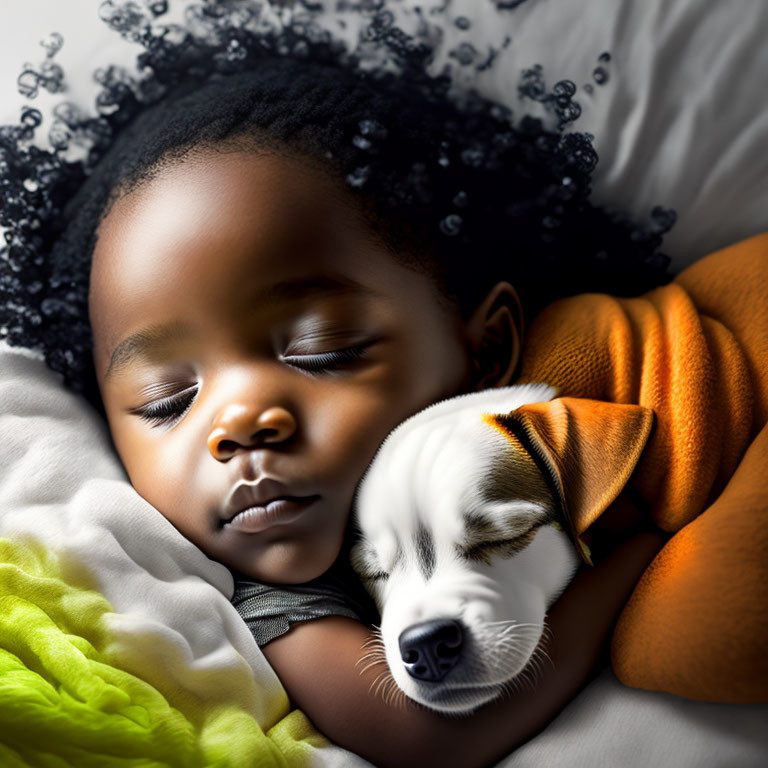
point(270, 610)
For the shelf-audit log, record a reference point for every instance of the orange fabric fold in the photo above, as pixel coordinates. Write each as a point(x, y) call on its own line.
point(694, 352)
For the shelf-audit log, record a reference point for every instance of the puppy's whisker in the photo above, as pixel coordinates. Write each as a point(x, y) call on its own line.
point(382, 690)
point(533, 670)
point(393, 693)
point(371, 664)
point(381, 679)
point(510, 687)
point(372, 653)
point(543, 653)
point(509, 639)
point(529, 626)
point(375, 652)
point(377, 655)
point(536, 670)
point(520, 631)
point(536, 662)
point(522, 635)
point(505, 647)
point(373, 641)
point(373, 649)
point(546, 630)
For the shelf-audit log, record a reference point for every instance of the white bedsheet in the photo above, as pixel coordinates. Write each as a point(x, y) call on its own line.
point(61, 483)
point(611, 726)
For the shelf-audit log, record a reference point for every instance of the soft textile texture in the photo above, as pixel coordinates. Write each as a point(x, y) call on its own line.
point(118, 643)
point(124, 621)
point(270, 610)
point(695, 354)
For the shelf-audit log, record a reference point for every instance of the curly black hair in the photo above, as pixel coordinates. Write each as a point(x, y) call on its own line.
point(453, 186)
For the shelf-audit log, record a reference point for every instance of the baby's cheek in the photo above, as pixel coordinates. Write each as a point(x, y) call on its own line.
point(152, 476)
point(343, 440)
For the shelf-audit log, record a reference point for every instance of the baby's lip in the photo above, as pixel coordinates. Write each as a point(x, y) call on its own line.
point(246, 495)
point(282, 511)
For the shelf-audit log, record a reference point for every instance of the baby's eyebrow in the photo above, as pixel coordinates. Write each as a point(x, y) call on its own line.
point(302, 288)
point(143, 342)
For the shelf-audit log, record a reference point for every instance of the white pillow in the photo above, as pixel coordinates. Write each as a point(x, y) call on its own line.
point(682, 120)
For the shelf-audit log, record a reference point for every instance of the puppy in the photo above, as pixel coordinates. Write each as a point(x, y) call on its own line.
point(463, 549)
point(476, 512)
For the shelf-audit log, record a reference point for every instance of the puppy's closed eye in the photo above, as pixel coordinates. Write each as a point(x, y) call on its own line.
point(365, 562)
point(484, 551)
point(487, 535)
point(378, 576)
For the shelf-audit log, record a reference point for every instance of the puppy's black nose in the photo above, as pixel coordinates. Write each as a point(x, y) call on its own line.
point(431, 649)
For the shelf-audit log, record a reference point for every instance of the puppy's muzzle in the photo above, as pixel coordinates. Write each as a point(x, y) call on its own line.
point(431, 649)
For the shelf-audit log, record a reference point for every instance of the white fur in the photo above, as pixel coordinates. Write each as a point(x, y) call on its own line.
point(426, 474)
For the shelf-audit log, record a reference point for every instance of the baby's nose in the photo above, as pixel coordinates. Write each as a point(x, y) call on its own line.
point(238, 426)
point(431, 649)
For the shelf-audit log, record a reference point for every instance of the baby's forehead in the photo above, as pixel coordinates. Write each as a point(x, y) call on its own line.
point(218, 240)
point(244, 206)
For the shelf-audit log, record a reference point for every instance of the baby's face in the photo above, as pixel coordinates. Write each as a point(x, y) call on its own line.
point(224, 294)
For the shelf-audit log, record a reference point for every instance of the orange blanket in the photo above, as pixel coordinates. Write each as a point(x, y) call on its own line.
point(688, 446)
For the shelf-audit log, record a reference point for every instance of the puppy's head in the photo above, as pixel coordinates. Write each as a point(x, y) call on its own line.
point(465, 543)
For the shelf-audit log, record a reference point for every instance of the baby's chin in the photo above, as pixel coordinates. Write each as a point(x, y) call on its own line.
point(289, 561)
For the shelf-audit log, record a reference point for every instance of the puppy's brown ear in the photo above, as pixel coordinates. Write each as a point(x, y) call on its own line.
point(587, 449)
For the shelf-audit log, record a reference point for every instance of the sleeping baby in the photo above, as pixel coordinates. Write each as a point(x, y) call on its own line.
point(266, 307)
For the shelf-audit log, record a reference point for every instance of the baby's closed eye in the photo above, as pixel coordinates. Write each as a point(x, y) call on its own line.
point(174, 408)
point(167, 409)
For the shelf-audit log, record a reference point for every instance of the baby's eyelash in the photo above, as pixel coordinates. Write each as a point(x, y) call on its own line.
point(326, 360)
point(164, 410)
point(175, 408)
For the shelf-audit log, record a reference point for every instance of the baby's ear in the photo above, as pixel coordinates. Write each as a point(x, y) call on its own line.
point(587, 449)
